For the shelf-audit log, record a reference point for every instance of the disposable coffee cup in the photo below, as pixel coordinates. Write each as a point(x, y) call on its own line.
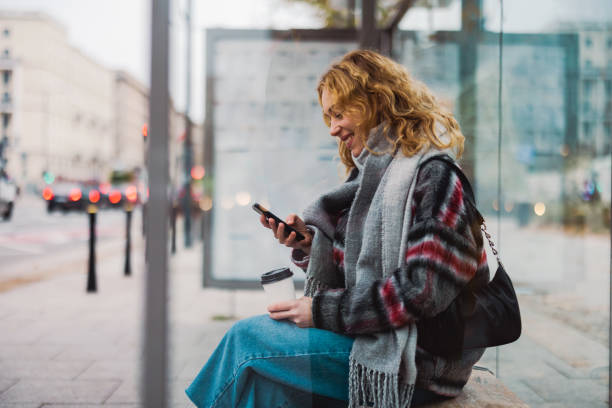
point(278, 285)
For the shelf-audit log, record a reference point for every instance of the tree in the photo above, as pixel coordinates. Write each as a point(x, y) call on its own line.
point(339, 13)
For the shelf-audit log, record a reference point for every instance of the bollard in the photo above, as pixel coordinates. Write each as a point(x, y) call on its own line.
point(143, 209)
point(127, 270)
point(91, 272)
point(173, 228)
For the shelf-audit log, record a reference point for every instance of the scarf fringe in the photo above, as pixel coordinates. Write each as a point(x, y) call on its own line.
point(368, 386)
point(312, 285)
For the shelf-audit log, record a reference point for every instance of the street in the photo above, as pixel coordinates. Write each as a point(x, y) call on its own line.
point(35, 245)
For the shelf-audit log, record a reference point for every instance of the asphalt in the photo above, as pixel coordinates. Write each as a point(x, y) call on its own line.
point(63, 347)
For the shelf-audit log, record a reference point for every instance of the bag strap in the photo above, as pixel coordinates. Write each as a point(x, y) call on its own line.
point(469, 196)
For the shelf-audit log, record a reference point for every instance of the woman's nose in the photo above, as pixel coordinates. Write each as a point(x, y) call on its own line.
point(334, 129)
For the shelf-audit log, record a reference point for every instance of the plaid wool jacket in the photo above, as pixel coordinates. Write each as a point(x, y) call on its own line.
point(444, 252)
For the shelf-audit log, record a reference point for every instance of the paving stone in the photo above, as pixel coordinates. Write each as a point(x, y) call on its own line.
point(112, 370)
point(129, 392)
point(483, 390)
point(42, 369)
point(91, 406)
point(571, 405)
point(576, 349)
point(21, 335)
point(23, 352)
point(526, 394)
point(57, 391)
point(99, 352)
point(19, 405)
point(6, 383)
point(576, 391)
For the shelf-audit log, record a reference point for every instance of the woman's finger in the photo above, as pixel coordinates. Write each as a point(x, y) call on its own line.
point(290, 241)
point(273, 226)
point(282, 315)
point(282, 306)
point(264, 221)
point(280, 233)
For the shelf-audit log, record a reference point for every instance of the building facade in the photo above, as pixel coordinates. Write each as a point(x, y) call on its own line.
point(64, 114)
point(57, 104)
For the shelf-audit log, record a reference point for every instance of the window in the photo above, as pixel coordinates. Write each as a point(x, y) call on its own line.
point(6, 97)
point(6, 32)
point(587, 130)
point(586, 106)
point(6, 53)
point(610, 42)
point(588, 87)
point(6, 120)
point(6, 76)
point(588, 42)
point(608, 86)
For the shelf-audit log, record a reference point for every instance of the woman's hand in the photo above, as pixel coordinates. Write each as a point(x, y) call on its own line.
point(289, 240)
point(298, 311)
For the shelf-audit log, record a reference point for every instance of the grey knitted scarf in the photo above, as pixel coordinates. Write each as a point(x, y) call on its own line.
point(382, 365)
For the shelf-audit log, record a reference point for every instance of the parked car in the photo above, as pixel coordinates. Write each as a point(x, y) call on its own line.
point(124, 187)
point(8, 195)
point(71, 195)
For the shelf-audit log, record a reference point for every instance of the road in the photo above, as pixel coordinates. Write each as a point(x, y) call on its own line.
point(35, 244)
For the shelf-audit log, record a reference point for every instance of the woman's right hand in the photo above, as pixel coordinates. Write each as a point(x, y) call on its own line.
point(289, 240)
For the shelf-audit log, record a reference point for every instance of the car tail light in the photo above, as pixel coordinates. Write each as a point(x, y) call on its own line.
point(94, 196)
point(75, 194)
point(47, 193)
point(131, 193)
point(114, 196)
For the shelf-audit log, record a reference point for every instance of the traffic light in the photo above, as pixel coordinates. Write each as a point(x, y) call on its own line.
point(48, 177)
point(145, 131)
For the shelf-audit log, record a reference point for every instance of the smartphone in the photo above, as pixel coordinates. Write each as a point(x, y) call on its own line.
point(288, 228)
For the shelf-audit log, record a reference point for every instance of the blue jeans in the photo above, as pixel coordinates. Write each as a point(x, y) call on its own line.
point(264, 363)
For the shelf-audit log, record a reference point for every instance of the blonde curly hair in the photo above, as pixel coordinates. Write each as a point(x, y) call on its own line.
point(376, 89)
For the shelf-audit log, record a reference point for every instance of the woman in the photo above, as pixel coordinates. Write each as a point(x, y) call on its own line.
point(394, 244)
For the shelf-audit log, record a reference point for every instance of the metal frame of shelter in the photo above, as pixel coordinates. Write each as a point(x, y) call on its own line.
point(468, 90)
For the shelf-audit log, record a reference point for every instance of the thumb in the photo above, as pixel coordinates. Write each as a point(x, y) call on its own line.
point(291, 219)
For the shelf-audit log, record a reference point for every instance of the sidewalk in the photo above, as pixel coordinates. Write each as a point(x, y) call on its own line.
point(60, 346)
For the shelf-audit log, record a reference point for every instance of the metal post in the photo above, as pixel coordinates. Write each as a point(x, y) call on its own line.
point(92, 286)
point(155, 364)
point(368, 34)
point(208, 156)
point(188, 146)
point(173, 228)
point(127, 270)
point(351, 14)
point(471, 26)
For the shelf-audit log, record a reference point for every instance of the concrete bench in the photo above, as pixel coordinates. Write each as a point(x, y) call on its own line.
point(482, 390)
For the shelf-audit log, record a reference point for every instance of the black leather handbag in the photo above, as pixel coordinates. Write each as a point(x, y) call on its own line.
point(482, 317)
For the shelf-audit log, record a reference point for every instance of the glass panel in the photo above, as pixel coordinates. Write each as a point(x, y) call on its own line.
point(271, 84)
point(552, 219)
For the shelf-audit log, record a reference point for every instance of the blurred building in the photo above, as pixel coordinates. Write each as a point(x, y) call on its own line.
point(65, 114)
point(131, 104)
point(595, 59)
point(57, 111)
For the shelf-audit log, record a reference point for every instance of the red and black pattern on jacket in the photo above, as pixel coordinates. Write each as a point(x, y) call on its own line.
point(444, 251)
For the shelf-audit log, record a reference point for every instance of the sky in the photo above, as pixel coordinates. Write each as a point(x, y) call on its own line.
point(115, 33)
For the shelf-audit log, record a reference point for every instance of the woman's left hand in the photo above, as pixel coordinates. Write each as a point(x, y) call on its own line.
point(299, 311)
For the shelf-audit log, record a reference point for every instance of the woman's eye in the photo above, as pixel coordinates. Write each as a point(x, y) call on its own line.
point(338, 116)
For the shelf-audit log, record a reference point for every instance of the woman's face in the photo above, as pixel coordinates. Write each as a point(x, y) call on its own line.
point(341, 125)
